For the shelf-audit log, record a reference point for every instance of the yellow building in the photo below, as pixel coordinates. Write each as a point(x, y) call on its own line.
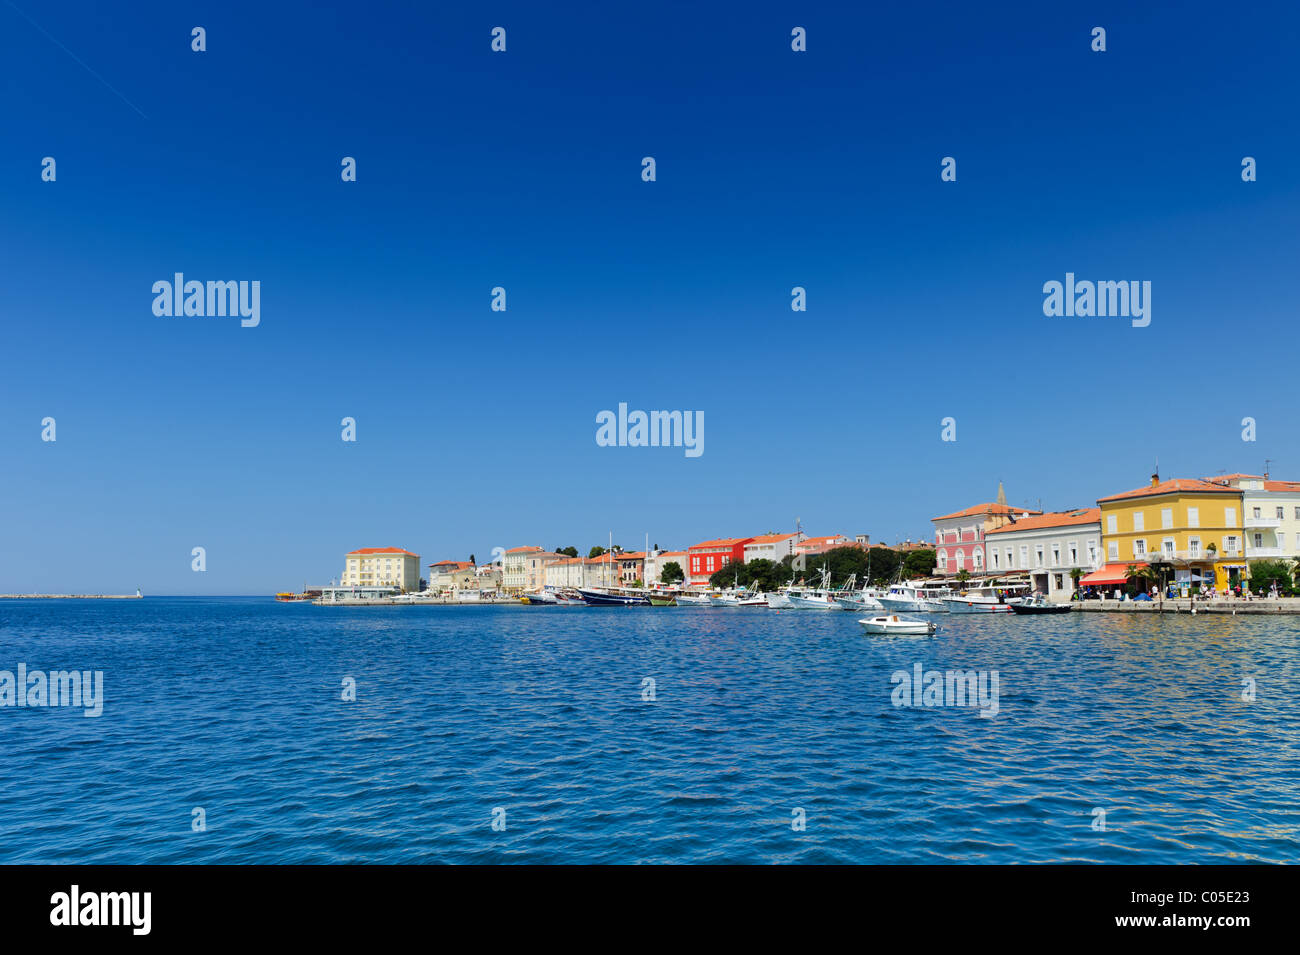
point(382, 567)
point(1193, 529)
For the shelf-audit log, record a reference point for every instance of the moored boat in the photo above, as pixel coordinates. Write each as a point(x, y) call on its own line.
point(662, 600)
point(598, 598)
point(893, 623)
point(1039, 604)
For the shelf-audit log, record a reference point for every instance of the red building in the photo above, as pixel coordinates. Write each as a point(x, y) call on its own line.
point(711, 556)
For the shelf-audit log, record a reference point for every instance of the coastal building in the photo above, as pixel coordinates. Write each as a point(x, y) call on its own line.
point(631, 567)
point(1194, 527)
point(449, 575)
point(773, 547)
point(523, 569)
point(657, 560)
point(382, 567)
point(1047, 548)
point(1271, 512)
point(566, 573)
point(487, 578)
point(959, 536)
point(708, 557)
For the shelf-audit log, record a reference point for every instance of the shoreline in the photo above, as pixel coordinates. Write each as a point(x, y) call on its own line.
point(71, 597)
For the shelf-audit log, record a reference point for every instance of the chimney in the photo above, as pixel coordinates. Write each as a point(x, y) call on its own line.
point(1155, 479)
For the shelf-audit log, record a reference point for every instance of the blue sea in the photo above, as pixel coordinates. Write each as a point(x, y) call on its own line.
point(500, 734)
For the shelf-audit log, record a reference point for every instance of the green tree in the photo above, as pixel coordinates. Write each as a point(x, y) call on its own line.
point(472, 560)
point(916, 563)
point(766, 575)
point(736, 574)
point(963, 575)
point(568, 551)
point(595, 552)
point(672, 573)
point(1263, 573)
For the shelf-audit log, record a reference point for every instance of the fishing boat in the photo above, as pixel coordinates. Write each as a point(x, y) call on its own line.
point(288, 598)
point(542, 597)
point(693, 600)
point(752, 600)
point(662, 600)
point(598, 598)
point(815, 598)
point(894, 624)
point(1039, 604)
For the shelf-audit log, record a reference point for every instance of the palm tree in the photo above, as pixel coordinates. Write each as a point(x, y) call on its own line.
point(1075, 574)
point(963, 575)
point(1134, 572)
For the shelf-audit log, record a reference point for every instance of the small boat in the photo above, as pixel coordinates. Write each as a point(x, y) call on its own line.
point(693, 600)
point(542, 597)
point(598, 598)
point(914, 598)
point(893, 623)
point(1039, 604)
point(752, 600)
point(780, 600)
point(662, 600)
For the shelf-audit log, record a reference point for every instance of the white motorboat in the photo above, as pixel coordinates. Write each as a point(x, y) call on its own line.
point(915, 598)
point(780, 600)
point(985, 599)
point(815, 598)
point(693, 600)
point(893, 623)
point(868, 598)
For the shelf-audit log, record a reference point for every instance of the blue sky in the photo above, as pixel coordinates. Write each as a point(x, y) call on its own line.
point(775, 169)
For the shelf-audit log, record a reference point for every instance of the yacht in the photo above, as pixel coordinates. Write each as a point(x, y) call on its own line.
point(915, 598)
point(986, 599)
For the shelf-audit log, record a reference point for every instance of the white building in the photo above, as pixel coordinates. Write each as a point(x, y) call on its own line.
point(657, 560)
point(524, 569)
point(1046, 547)
point(773, 547)
point(1271, 512)
point(382, 567)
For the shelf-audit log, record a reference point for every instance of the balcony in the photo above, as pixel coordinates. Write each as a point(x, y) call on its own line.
point(1253, 551)
point(1188, 556)
point(1263, 522)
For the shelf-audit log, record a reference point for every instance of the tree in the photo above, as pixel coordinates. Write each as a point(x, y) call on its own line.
point(1075, 574)
point(568, 551)
point(917, 563)
point(595, 552)
point(672, 573)
point(472, 560)
point(963, 575)
point(766, 575)
point(1138, 575)
point(736, 574)
point(1264, 573)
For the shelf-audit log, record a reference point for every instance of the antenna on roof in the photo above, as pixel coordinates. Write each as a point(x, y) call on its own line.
point(1268, 462)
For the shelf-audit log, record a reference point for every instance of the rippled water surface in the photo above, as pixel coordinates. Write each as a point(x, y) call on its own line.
point(233, 705)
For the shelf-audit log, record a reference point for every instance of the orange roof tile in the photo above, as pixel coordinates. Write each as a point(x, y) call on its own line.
point(724, 542)
point(1083, 515)
point(456, 564)
point(1002, 510)
point(771, 538)
point(1173, 486)
point(382, 550)
point(523, 550)
point(1293, 486)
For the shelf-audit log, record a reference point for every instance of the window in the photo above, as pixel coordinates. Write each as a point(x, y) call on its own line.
point(1229, 517)
point(1194, 547)
point(1038, 556)
point(1297, 513)
point(1074, 554)
point(1010, 563)
point(1257, 512)
point(1193, 517)
point(1231, 545)
point(1092, 553)
point(961, 557)
point(1024, 555)
point(1112, 550)
point(1167, 545)
point(1166, 517)
point(1111, 523)
point(943, 559)
point(979, 559)
point(995, 560)
point(1281, 540)
point(1139, 521)
point(1280, 512)
point(1259, 540)
point(1139, 548)
point(1056, 555)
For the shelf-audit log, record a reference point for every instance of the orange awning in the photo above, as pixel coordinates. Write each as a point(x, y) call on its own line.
point(1110, 574)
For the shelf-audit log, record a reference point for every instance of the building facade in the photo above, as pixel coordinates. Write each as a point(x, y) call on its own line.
point(959, 537)
point(382, 567)
point(1194, 526)
point(1271, 512)
point(708, 557)
point(656, 561)
point(1047, 548)
point(449, 575)
point(524, 569)
point(773, 547)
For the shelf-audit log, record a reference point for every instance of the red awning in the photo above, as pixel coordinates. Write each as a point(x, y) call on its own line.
point(1110, 574)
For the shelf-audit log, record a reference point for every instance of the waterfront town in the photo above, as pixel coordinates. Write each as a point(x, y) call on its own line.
point(1195, 538)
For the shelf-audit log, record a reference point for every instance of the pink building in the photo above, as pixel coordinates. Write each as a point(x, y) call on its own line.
point(959, 536)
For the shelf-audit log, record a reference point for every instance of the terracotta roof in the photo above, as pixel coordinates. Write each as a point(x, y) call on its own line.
point(724, 542)
point(1293, 486)
point(771, 538)
point(523, 550)
point(1232, 477)
point(1083, 515)
point(455, 564)
point(1002, 510)
point(1173, 486)
point(382, 550)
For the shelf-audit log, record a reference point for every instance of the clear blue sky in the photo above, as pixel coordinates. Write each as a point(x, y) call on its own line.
point(522, 169)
